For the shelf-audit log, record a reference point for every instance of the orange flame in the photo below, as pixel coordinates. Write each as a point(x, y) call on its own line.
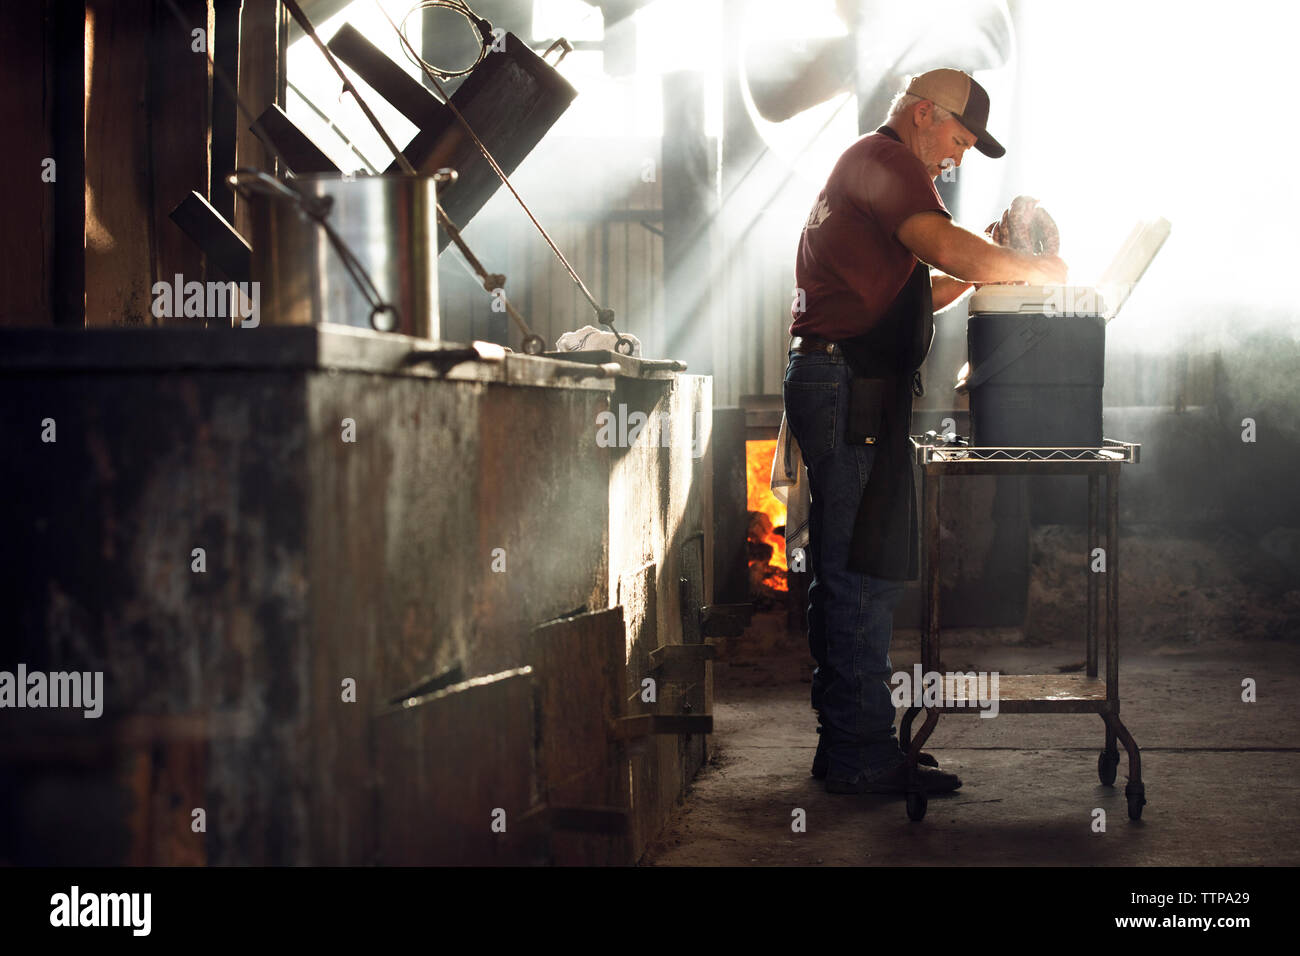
point(758, 460)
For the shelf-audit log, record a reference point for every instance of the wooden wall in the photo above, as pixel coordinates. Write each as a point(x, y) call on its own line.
point(28, 79)
point(148, 97)
point(118, 97)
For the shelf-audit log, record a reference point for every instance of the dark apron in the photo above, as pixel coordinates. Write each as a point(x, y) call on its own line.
point(884, 541)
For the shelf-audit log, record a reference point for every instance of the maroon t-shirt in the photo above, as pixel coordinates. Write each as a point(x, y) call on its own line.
point(850, 264)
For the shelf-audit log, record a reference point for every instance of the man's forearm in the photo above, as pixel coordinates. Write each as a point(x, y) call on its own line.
point(945, 290)
point(976, 259)
point(936, 240)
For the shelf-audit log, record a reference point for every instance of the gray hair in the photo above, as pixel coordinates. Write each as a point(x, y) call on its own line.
point(904, 101)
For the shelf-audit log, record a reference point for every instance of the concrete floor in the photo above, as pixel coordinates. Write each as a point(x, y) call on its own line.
point(1222, 776)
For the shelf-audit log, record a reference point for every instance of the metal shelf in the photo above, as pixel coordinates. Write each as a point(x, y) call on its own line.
point(1086, 693)
point(1110, 452)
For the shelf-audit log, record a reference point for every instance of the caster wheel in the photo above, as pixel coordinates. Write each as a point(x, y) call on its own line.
point(1136, 794)
point(1107, 761)
point(916, 806)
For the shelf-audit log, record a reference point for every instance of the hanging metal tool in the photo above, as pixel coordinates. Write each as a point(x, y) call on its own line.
point(603, 315)
point(381, 311)
point(384, 316)
point(482, 26)
point(493, 283)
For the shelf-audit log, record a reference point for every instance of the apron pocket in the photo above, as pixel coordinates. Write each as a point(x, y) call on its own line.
point(866, 410)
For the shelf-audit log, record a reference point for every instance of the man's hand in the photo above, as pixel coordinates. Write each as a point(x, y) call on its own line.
point(945, 290)
point(1051, 270)
point(934, 239)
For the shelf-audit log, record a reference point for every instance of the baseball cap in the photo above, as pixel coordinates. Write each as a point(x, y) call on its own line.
point(960, 95)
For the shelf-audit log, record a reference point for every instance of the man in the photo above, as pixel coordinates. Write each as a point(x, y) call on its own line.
point(863, 323)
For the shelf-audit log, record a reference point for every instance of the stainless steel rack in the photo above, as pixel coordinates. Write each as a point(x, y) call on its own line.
point(945, 456)
point(1110, 450)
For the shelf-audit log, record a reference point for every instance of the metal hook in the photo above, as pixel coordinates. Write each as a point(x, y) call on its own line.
point(389, 322)
point(565, 47)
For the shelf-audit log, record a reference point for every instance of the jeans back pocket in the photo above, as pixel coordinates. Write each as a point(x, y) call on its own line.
point(810, 415)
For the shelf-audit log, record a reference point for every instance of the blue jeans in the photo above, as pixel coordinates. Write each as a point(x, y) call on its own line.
point(850, 615)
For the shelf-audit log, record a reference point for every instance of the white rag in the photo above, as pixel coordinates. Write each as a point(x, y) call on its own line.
point(591, 339)
point(790, 487)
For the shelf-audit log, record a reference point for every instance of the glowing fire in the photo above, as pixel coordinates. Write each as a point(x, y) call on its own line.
point(758, 455)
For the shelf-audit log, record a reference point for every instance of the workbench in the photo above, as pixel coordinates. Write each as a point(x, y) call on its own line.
point(949, 457)
point(236, 527)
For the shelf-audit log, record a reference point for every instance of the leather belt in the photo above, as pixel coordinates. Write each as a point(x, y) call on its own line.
point(813, 343)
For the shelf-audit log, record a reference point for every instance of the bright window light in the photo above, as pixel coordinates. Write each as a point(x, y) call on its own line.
point(571, 19)
point(315, 89)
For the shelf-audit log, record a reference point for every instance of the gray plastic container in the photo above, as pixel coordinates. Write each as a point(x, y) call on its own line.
point(1048, 395)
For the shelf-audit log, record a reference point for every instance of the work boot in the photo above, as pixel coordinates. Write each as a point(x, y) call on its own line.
point(894, 780)
point(821, 761)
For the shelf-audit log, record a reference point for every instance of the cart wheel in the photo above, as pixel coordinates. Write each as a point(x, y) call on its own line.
point(1136, 794)
point(916, 805)
point(1135, 804)
point(1107, 762)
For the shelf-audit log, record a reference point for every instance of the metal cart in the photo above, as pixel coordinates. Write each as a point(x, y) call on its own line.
point(941, 457)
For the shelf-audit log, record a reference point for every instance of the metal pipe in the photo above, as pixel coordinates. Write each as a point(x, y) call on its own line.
point(1093, 482)
point(930, 646)
point(1112, 581)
